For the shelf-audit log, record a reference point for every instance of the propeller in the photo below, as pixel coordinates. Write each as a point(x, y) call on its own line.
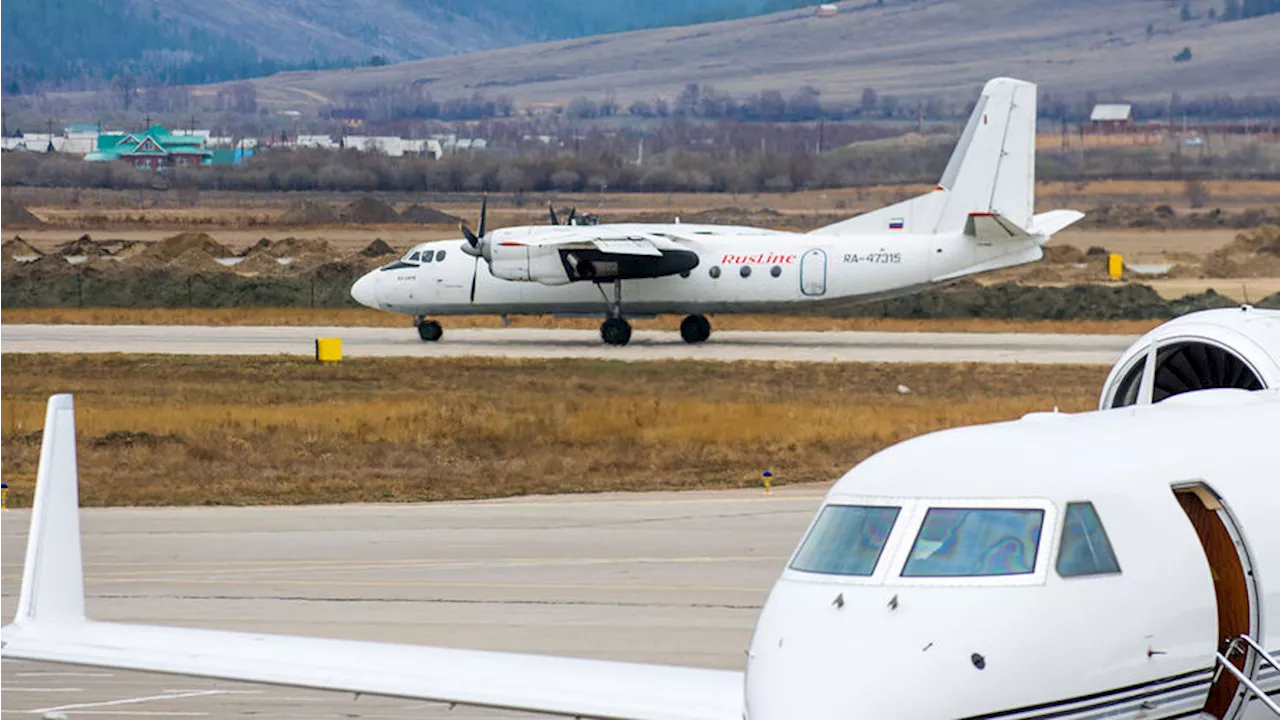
point(475, 245)
point(555, 220)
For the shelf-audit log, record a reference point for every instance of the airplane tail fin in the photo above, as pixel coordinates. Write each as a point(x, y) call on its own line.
point(53, 576)
point(991, 170)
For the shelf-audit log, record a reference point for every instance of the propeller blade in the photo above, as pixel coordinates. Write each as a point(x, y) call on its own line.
point(475, 270)
point(470, 236)
point(484, 206)
point(573, 212)
point(554, 219)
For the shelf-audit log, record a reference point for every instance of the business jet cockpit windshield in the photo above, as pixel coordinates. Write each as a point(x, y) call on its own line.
point(918, 540)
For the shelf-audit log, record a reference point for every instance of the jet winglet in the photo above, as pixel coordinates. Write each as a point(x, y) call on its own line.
point(53, 575)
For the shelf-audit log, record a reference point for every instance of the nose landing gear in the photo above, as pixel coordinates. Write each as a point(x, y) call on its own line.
point(695, 329)
point(428, 330)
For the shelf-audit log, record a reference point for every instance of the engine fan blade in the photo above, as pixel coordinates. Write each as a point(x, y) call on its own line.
point(484, 206)
point(552, 209)
point(573, 212)
point(470, 236)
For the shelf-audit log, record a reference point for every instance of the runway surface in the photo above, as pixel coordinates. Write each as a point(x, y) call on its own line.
point(655, 577)
point(532, 343)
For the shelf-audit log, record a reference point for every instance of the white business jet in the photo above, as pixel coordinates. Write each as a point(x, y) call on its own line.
point(1121, 563)
point(979, 218)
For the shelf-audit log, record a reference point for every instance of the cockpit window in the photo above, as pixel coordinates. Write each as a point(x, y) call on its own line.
point(969, 542)
point(439, 256)
point(846, 540)
point(413, 257)
point(428, 256)
point(1085, 549)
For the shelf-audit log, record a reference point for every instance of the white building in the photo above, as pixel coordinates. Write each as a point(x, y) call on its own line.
point(316, 141)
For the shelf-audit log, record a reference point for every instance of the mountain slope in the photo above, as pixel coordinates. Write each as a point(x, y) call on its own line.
point(86, 43)
point(943, 48)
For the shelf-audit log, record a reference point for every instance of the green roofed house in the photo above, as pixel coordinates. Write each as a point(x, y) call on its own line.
point(156, 148)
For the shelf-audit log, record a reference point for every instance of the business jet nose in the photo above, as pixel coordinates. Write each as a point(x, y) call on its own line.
point(365, 291)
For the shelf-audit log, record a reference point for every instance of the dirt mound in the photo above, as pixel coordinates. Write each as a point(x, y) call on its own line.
point(16, 214)
point(1063, 254)
point(19, 248)
point(1253, 253)
point(122, 248)
point(308, 212)
point(377, 248)
point(83, 245)
point(171, 248)
point(47, 267)
point(368, 210)
point(295, 246)
point(259, 262)
point(424, 215)
point(195, 261)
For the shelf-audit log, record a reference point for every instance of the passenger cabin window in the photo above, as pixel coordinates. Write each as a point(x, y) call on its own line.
point(846, 540)
point(1085, 549)
point(971, 542)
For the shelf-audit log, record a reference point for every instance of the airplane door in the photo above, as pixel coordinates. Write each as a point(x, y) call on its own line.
point(1235, 588)
point(813, 272)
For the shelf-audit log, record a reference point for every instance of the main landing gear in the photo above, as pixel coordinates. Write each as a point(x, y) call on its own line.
point(615, 330)
point(428, 330)
point(695, 329)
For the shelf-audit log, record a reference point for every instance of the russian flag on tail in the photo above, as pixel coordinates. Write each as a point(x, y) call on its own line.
point(895, 224)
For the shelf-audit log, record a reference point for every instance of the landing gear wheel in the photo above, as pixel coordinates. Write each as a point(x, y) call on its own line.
point(695, 329)
point(430, 330)
point(615, 331)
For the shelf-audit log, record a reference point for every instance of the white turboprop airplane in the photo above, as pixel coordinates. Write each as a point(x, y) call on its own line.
point(1121, 563)
point(979, 218)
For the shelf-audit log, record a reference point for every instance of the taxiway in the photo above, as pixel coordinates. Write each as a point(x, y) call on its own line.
point(534, 343)
point(656, 577)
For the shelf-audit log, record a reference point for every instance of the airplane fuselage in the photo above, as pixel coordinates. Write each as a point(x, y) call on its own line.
point(739, 270)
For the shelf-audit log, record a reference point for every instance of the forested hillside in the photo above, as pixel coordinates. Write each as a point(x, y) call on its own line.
point(80, 44)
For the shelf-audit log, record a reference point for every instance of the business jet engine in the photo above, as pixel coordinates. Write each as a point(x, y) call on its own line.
point(1228, 348)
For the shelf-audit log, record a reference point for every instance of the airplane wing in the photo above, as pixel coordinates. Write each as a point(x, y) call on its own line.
point(602, 238)
point(50, 625)
point(628, 246)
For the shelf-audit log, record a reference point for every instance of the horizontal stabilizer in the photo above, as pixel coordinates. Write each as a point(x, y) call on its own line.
point(992, 226)
point(1048, 223)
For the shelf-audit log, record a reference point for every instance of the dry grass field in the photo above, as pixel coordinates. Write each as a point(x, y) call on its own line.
point(157, 430)
point(359, 317)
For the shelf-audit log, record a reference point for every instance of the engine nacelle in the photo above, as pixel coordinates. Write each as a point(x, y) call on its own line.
point(515, 261)
point(1228, 348)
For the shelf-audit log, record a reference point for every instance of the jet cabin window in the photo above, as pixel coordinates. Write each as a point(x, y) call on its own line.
point(969, 542)
point(1085, 549)
point(846, 540)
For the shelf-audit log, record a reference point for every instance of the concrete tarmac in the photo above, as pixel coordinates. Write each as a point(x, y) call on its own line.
point(534, 343)
point(673, 578)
